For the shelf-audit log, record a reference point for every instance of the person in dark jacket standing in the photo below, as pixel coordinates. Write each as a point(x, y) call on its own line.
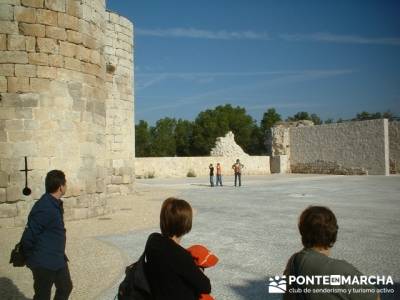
point(211, 167)
point(43, 241)
point(170, 269)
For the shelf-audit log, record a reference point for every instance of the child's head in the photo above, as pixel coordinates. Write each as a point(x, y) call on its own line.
point(175, 217)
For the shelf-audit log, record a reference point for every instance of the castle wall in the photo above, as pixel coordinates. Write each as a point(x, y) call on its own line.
point(162, 167)
point(394, 146)
point(60, 107)
point(341, 148)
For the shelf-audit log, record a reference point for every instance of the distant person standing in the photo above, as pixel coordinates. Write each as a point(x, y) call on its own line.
point(219, 175)
point(43, 241)
point(211, 167)
point(237, 167)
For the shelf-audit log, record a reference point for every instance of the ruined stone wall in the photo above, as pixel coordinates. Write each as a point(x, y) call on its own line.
point(350, 148)
point(60, 107)
point(162, 167)
point(394, 146)
point(226, 146)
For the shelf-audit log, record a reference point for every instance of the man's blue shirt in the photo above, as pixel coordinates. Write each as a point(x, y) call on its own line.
point(44, 238)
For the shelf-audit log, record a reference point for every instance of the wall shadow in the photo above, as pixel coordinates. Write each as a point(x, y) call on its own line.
point(9, 291)
point(255, 290)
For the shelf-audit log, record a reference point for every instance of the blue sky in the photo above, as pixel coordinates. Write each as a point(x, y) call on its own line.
point(333, 58)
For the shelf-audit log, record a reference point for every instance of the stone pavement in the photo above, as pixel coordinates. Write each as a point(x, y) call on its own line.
point(253, 229)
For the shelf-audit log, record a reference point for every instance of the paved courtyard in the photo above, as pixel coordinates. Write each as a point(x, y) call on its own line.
point(253, 229)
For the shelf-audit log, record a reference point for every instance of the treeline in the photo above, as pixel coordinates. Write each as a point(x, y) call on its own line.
point(171, 137)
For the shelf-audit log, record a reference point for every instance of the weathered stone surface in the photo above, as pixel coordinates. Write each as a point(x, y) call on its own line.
point(72, 64)
point(3, 179)
point(3, 195)
point(32, 3)
point(68, 22)
point(57, 5)
point(25, 70)
point(47, 45)
point(16, 42)
point(30, 43)
point(56, 60)
point(56, 33)
point(18, 84)
point(74, 37)
point(46, 72)
point(74, 8)
point(68, 49)
point(47, 17)
point(6, 12)
point(38, 30)
point(39, 84)
point(24, 14)
point(8, 210)
point(38, 59)
point(8, 27)
point(394, 146)
point(3, 84)
point(3, 42)
point(7, 69)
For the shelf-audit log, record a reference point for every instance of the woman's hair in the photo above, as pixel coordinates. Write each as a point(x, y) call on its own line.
point(318, 227)
point(175, 217)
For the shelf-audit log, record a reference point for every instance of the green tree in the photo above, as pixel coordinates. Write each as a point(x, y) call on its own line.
point(329, 121)
point(372, 116)
point(302, 115)
point(270, 118)
point(184, 137)
point(142, 139)
point(316, 120)
point(163, 137)
point(216, 122)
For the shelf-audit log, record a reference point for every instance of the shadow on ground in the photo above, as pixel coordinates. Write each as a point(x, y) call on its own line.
point(255, 290)
point(9, 291)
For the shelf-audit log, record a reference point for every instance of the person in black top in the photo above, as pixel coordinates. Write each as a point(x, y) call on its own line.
point(211, 167)
point(170, 269)
point(43, 241)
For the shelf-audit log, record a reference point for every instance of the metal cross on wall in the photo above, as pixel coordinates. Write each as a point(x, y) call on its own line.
point(26, 191)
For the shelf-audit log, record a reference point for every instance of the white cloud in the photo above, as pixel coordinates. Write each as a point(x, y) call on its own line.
point(203, 34)
point(343, 39)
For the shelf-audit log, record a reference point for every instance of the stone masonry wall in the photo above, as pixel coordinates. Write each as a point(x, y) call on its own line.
point(394, 146)
point(61, 106)
point(162, 167)
point(359, 146)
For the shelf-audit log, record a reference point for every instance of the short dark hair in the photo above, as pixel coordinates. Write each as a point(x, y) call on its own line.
point(318, 227)
point(175, 217)
point(54, 179)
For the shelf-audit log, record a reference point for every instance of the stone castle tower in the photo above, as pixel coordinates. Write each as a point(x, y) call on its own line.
point(66, 102)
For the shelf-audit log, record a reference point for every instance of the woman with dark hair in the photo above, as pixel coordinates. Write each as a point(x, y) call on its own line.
point(318, 229)
point(170, 269)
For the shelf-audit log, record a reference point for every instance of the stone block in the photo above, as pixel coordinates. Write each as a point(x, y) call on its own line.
point(19, 57)
point(56, 33)
point(6, 12)
point(24, 14)
point(24, 113)
point(33, 3)
point(18, 84)
point(95, 57)
point(68, 49)
point(39, 84)
point(56, 60)
point(46, 72)
point(3, 42)
point(74, 8)
point(8, 27)
point(57, 5)
point(25, 70)
point(13, 194)
point(8, 210)
point(3, 195)
point(30, 43)
point(38, 59)
point(47, 45)
point(47, 17)
point(72, 64)
point(4, 179)
point(15, 42)
point(68, 22)
point(3, 84)
point(31, 125)
point(80, 213)
point(74, 37)
point(90, 42)
point(38, 30)
point(19, 136)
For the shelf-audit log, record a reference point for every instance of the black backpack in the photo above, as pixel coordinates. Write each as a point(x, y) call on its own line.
point(135, 285)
